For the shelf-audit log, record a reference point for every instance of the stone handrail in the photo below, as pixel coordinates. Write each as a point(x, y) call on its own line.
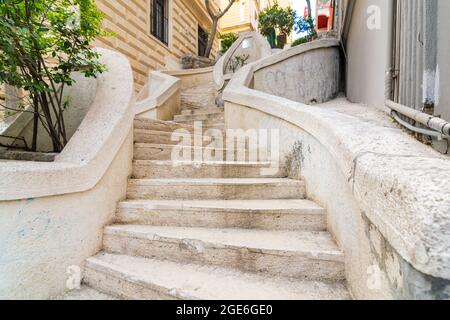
point(400, 185)
point(294, 51)
point(160, 88)
point(90, 151)
point(263, 49)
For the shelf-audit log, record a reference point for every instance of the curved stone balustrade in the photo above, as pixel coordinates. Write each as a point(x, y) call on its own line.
point(160, 97)
point(308, 74)
point(250, 43)
point(387, 195)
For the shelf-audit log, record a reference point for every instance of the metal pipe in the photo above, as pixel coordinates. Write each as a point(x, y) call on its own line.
point(430, 56)
point(426, 132)
point(435, 123)
point(347, 20)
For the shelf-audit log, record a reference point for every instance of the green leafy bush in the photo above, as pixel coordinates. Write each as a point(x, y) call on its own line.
point(227, 40)
point(300, 41)
point(276, 18)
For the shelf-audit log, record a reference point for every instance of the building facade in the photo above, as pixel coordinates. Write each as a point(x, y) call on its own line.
point(398, 50)
point(324, 15)
point(243, 15)
point(154, 34)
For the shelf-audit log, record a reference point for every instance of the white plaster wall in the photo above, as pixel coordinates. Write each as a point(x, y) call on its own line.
point(40, 238)
point(166, 111)
point(368, 54)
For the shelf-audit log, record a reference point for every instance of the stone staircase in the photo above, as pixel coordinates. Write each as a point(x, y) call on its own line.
point(199, 96)
point(213, 230)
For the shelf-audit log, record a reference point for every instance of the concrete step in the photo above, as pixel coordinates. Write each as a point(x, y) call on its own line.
point(165, 137)
point(151, 169)
point(149, 279)
point(153, 151)
point(297, 254)
point(213, 110)
point(205, 123)
point(211, 189)
point(168, 126)
point(246, 214)
point(216, 117)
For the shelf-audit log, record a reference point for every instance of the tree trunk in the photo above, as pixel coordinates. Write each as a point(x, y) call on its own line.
point(308, 3)
point(310, 18)
point(45, 105)
point(212, 37)
point(35, 124)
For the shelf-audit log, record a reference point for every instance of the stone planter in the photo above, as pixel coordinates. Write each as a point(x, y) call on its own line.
point(189, 61)
point(19, 155)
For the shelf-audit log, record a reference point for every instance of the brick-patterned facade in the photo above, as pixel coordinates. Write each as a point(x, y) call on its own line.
point(130, 21)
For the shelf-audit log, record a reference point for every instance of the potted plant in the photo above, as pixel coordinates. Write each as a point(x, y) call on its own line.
point(276, 23)
point(42, 42)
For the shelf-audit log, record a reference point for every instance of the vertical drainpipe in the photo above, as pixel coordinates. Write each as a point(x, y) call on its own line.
point(390, 25)
point(430, 55)
point(392, 92)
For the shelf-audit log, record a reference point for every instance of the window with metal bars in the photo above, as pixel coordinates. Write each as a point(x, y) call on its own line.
point(159, 23)
point(202, 41)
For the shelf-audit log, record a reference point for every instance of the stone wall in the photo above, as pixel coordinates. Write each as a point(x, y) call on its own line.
point(305, 74)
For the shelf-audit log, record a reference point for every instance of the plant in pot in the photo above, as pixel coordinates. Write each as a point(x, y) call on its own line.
point(227, 40)
point(42, 43)
point(276, 23)
point(215, 17)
